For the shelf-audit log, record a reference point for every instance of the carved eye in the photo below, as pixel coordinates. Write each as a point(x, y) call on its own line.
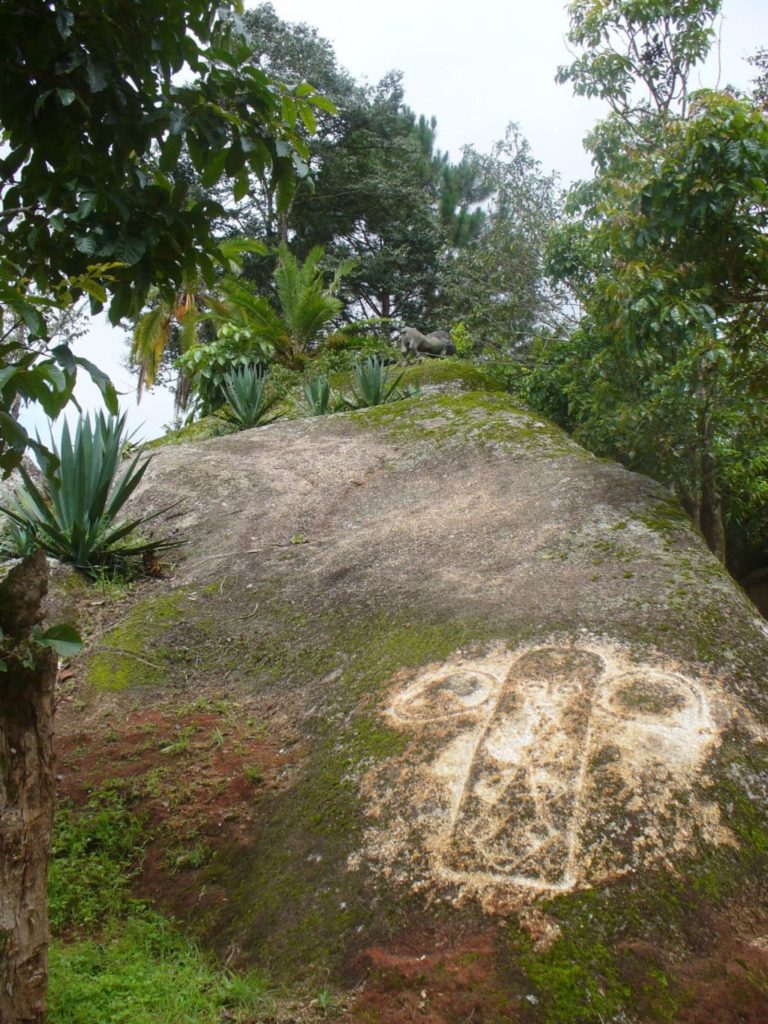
point(653, 698)
point(448, 696)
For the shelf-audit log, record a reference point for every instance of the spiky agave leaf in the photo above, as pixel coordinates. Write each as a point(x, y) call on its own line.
point(317, 395)
point(371, 380)
point(74, 518)
point(248, 400)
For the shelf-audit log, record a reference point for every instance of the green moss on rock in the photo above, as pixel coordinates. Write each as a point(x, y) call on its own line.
point(140, 650)
point(200, 430)
point(294, 902)
point(470, 419)
point(460, 372)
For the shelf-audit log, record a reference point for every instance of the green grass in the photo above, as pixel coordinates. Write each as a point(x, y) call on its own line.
point(95, 852)
point(114, 961)
point(144, 971)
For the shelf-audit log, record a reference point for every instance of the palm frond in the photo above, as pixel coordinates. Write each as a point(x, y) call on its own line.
point(150, 339)
point(289, 282)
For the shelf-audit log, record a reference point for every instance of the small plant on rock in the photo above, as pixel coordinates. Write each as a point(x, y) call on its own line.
point(248, 400)
point(318, 396)
point(372, 386)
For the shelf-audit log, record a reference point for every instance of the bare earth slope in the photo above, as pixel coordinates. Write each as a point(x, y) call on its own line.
point(510, 715)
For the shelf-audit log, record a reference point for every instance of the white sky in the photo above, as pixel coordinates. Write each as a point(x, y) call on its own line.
point(476, 67)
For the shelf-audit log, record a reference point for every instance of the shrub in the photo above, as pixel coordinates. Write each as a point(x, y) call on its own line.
point(145, 971)
point(462, 341)
point(133, 967)
point(205, 367)
point(95, 852)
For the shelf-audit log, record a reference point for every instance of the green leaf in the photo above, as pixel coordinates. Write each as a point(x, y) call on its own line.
point(289, 111)
point(6, 374)
point(64, 639)
point(96, 290)
point(214, 169)
point(308, 119)
point(32, 320)
point(286, 186)
point(102, 382)
point(86, 244)
point(40, 101)
point(171, 152)
point(98, 78)
point(130, 250)
point(67, 96)
point(12, 432)
point(323, 103)
point(233, 247)
point(241, 186)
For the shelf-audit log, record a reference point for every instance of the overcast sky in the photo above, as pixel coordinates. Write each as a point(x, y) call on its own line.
point(476, 67)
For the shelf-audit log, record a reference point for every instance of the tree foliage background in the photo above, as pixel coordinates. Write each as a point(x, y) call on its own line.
point(95, 117)
point(667, 253)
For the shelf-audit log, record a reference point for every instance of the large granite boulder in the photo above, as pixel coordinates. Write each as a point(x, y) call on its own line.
point(521, 712)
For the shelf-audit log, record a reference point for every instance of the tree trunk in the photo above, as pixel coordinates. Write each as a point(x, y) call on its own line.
point(26, 795)
point(711, 515)
point(710, 506)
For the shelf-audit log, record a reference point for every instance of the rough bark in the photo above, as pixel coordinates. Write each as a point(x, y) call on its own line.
point(26, 795)
point(710, 506)
point(711, 518)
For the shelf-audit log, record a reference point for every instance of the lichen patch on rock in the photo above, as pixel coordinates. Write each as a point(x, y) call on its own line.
point(548, 768)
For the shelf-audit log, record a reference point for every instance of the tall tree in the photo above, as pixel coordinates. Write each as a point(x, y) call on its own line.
point(26, 793)
point(379, 192)
point(495, 282)
point(94, 121)
point(638, 56)
point(760, 85)
point(666, 248)
point(375, 201)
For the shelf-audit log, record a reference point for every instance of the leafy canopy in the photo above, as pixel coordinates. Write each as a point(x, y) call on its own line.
point(303, 305)
point(98, 98)
point(95, 110)
point(637, 54)
point(666, 249)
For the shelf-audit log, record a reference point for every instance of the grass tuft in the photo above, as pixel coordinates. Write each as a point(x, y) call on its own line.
point(144, 971)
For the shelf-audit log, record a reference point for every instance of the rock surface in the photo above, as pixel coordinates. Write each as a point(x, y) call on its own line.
point(519, 712)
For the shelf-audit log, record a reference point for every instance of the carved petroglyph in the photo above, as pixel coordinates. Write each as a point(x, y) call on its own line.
point(550, 768)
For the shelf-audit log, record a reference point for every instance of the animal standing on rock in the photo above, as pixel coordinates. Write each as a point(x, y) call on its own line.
point(438, 343)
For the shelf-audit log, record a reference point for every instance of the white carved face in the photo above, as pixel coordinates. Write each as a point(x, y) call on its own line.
point(560, 763)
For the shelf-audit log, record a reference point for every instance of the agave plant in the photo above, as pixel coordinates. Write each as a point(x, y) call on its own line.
point(318, 395)
point(372, 385)
point(74, 518)
point(248, 400)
